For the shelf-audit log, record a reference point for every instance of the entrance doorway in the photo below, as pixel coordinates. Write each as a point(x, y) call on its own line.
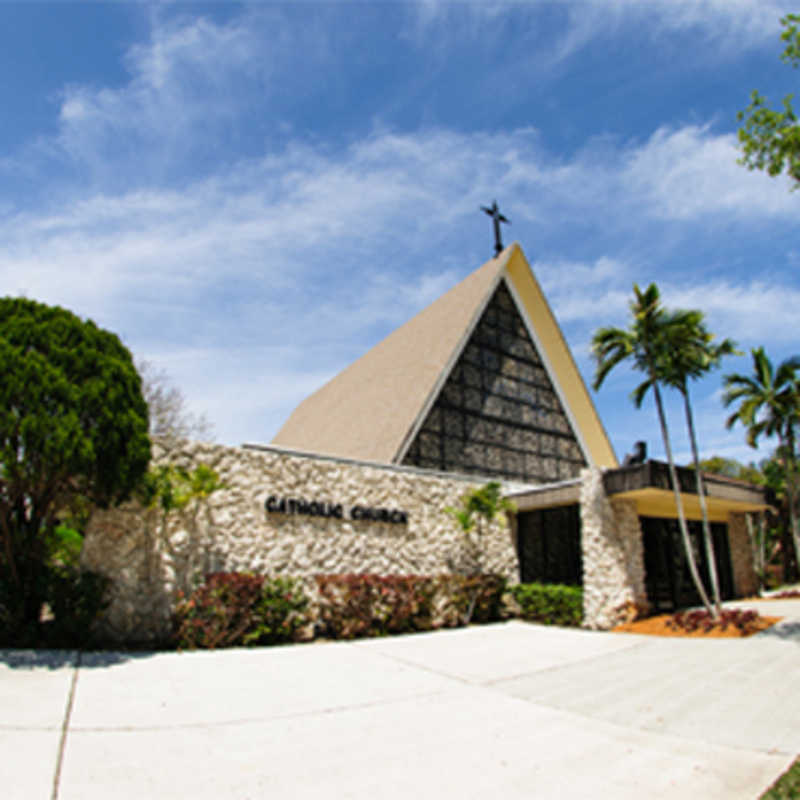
point(549, 546)
point(667, 577)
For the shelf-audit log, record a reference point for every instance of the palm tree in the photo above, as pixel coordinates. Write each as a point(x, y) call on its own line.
point(692, 354)
point(478, 509)
point(647, 343)
point(769, 404)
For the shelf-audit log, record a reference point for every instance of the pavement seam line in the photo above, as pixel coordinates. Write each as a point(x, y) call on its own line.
point(252, 720)
point(65, 727)
point(481, 681)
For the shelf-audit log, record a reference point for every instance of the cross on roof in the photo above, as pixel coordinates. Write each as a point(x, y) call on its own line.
point(497, 218)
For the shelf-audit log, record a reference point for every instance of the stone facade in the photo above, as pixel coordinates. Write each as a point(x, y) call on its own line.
point(745, 581)
point(151, 556)
point(613, 559)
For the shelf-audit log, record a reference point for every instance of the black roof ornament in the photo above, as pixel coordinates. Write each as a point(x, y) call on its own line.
point(497, 218)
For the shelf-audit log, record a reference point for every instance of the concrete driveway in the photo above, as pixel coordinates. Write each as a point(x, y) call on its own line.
point(510, 710)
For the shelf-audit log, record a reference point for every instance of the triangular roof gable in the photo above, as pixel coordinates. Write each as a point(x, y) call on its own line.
point(557, 357)
point(374, 408)
point(547, 338)
point(367, 410)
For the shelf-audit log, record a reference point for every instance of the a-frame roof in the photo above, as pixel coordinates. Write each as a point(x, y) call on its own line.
point(372, 409)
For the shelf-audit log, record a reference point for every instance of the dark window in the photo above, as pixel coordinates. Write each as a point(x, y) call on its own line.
point(549, 546)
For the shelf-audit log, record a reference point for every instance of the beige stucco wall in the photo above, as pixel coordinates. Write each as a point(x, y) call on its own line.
point(150, 557)
point(613, 557)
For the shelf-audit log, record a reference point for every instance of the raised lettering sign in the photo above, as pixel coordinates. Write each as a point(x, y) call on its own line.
point(323, 508)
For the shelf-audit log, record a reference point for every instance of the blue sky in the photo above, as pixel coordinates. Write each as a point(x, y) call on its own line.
point(252, 195)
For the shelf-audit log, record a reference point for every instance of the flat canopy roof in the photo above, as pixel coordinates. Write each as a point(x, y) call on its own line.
point(648, 485)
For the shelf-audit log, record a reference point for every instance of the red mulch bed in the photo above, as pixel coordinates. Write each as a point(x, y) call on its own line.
point(697, 624)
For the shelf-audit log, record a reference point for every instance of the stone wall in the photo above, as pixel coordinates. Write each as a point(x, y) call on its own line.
point(613, 559)
point(151, 556)
point(745, 582)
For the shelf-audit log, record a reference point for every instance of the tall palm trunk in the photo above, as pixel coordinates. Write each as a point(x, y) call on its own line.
point(789, 467)
point(687, 544)
point(708, 541)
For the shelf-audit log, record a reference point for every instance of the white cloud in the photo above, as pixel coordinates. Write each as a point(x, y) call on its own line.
point(689, 172)
point(751, 311)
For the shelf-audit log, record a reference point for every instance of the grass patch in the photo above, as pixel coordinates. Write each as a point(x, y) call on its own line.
point(787, 787)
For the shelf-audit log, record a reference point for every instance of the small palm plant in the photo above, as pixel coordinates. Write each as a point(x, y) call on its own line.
point(478, 509)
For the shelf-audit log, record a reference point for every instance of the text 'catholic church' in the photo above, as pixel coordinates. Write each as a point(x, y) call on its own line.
point(478, 386)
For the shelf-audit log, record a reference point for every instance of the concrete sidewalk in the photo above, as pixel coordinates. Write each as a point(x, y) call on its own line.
point(513, 710)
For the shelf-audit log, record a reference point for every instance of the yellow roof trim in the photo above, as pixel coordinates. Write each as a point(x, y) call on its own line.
point(560, 365)
point(652, 502)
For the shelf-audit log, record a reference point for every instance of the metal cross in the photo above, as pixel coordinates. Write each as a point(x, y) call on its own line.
point(497, 218)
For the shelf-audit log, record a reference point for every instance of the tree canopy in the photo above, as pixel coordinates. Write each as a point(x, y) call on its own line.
point(73, 422)
point(770, 138)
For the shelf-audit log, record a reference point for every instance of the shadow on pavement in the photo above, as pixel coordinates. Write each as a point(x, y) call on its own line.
point(61, 659)
point(789, 631)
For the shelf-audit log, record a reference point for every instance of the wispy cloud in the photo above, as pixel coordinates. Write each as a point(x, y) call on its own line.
point(690, 172)
point(729, 25)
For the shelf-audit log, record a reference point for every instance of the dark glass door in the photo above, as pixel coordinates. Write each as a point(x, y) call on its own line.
point(668, 580)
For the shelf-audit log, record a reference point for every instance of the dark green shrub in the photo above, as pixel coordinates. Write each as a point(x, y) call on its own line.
point(233, 609)
point(375, 605)
point(550, 604)
point(72, 600)
point(76, 599)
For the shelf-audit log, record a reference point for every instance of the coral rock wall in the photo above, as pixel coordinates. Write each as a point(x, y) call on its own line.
point(151, 556)
point(613, 559)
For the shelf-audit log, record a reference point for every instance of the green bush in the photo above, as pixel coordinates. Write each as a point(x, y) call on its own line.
point(72, 600)
point(550, 604)
point(76, 599)
point(469, 599)
point(238, 609)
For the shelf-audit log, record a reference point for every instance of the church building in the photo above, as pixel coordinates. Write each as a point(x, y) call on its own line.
point(478, 386)
point(482, 383)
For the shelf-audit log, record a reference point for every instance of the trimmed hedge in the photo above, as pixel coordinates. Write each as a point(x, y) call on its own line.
point(463, 600)
point(356, 605)
point(550, 604)
point(234, 609)
point(239, 609)
point(374, 605)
